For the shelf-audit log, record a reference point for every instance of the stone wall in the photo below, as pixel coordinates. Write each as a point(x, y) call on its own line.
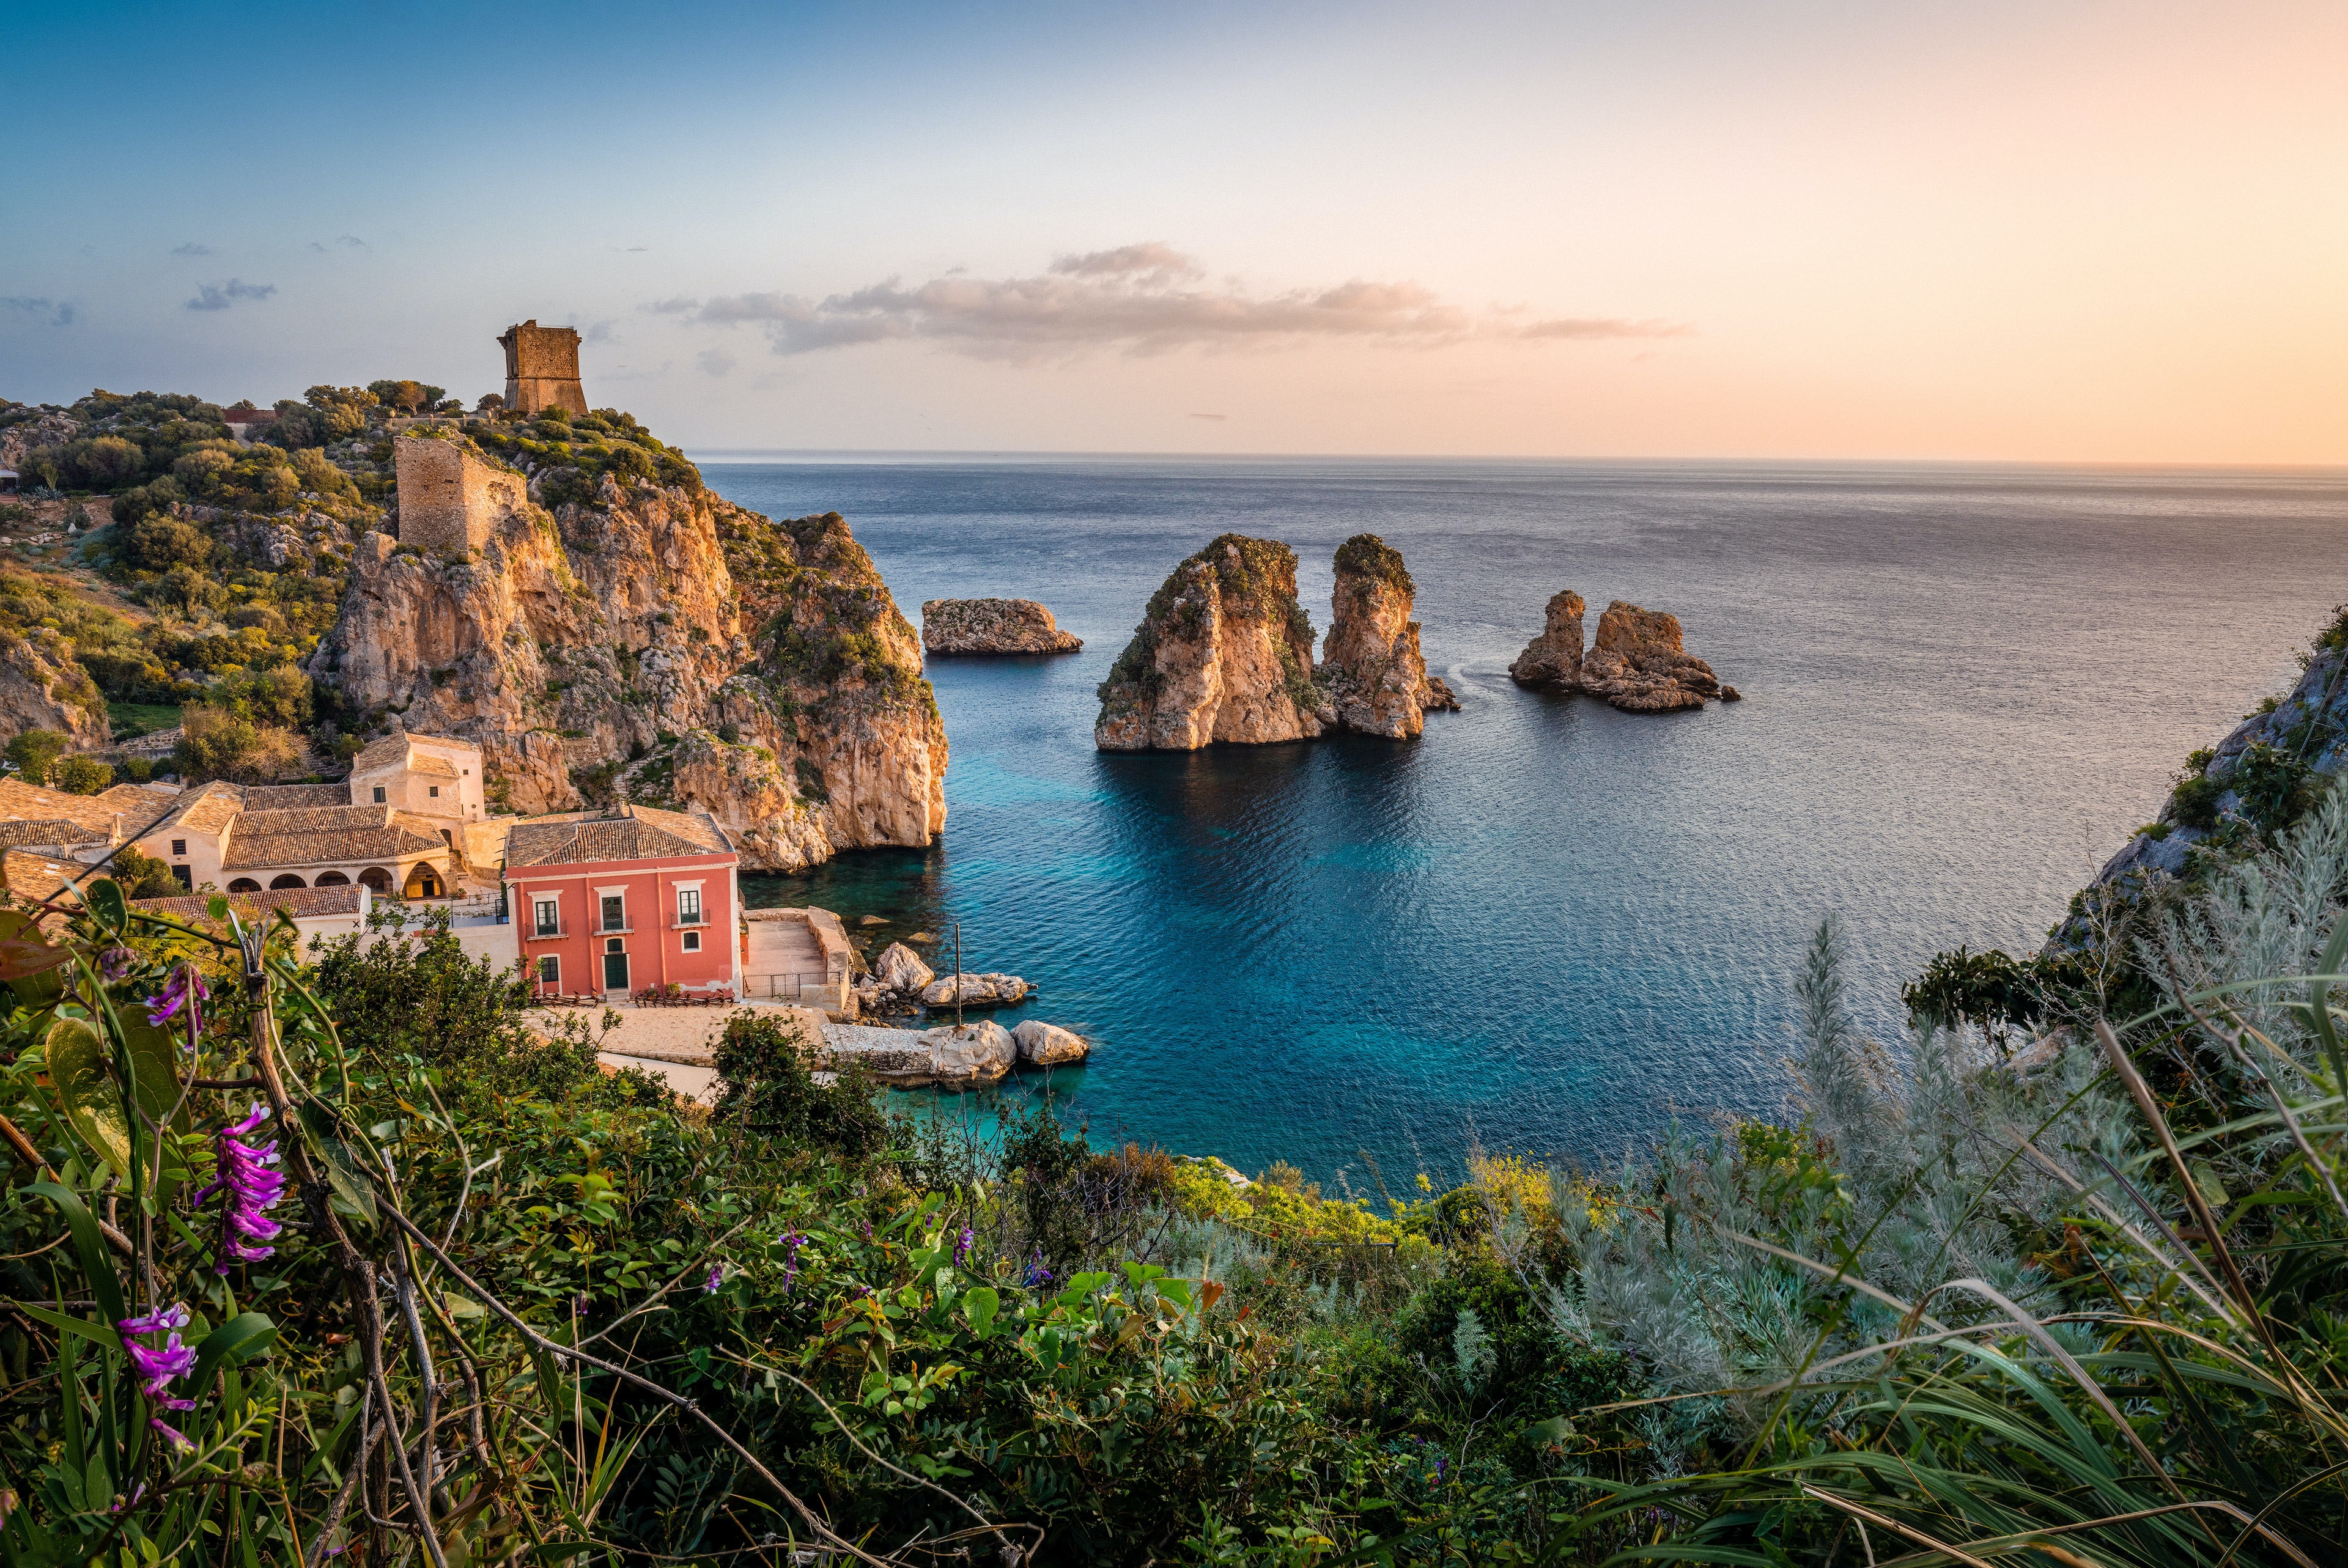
point(449, 501)
point(542, 368)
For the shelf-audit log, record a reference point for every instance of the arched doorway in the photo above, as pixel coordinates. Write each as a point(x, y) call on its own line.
point(330, 879)
point(244, 884)
point(422, 882)
point(285, 881)
point(377, 878)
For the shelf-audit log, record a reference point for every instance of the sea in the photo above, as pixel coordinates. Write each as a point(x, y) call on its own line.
point(1547, 928)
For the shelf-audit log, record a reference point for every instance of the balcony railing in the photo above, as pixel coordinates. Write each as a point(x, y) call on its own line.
point(615, 930)
point(688, 923)
point(543, 933)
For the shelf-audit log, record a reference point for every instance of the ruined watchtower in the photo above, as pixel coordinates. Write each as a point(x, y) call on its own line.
point(451, 501)
point(542, 368)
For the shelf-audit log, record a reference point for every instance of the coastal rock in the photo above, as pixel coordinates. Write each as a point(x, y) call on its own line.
point(656, 641)
point(1371, 667)
point(1223, 653)
point(1048, 1045)
point(1554, 658)
point(976, 990)
point(900, 968)
point(1636, 663)
point(971, 1055)
point(977, 626)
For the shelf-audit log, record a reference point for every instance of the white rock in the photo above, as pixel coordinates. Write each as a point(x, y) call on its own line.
point(900, 968)
point(1048, 1045)
point(971, 1056)
point(977, 990)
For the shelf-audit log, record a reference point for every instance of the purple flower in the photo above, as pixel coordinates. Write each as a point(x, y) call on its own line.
point(171, 1434)
point(717, 1277)
point(1037, 1275)
point(115, 962)
point(185, 987)
point(242, 1172)
point(866, 1226)
point(961, 1246)
point(159, 1365)
point(792, 1241)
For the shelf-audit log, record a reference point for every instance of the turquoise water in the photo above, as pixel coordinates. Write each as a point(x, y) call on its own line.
point(1549, 927)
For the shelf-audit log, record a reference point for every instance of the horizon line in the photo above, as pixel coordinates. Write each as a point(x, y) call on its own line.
point(713, 455)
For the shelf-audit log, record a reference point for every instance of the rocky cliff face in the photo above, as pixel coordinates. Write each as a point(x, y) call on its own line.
point(1370, 668)
point(1224, 652)
point(1636, 662)
point(41, 688)
point(1554, 658)
point(657, 639)
point(982, 626)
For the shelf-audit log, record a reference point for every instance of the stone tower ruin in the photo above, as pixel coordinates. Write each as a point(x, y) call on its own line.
point(451, 501)
point(542, 368)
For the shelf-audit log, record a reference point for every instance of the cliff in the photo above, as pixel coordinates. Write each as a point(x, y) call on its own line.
point(1370, 668)
point(993, 626)
point(42, 688)
point(1554, 658)
point(1223, 652)
point(616, 633)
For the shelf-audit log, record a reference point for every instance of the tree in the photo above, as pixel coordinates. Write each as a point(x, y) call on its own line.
point(412, 395)
point(104, 461)
point(159, 542)
point(82, 775)
point(213, 743)
point(33, 751)
point(143, 876)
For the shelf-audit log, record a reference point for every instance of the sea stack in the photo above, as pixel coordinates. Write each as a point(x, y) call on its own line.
point(1636, 662)
point(1224, 652)
point(1371, 667)
point(962, 627)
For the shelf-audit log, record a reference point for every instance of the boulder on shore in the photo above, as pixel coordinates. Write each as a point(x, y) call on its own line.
point(975, 990)
point(900, 968)
point(961, 626)
point(1635, 663)
point(1049, 1045)
point(1371, 666)
point(1223, 652)
point(971, 1055)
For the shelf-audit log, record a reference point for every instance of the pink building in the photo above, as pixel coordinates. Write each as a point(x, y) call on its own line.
point(626, 899)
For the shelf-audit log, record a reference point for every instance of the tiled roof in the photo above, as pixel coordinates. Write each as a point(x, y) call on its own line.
point(46, 830)
point(636, 833)
point(295, 901)
point(20, 801)
point(324, 835)
point(33, 877)
point(286, 797)
point(392, 752)
point(209, 808)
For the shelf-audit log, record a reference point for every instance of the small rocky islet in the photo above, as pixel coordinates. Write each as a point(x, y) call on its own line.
point(1637, 663)
point(967, 628)
point(1224, 653)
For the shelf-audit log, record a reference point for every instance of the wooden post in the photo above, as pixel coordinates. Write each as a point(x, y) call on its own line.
point(957, 983)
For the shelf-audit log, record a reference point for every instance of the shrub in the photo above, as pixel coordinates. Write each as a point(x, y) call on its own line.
point(766, 1087)
point(103, 463)
point(143, 876)
point(35, 751)
point(83, 775)
point(159, 542)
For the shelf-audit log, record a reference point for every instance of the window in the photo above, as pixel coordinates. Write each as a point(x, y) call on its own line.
point(436, 792)
point(615, 912)
point(178, 847)
point(549, 918)
point(378, 795)
point(184, 877)
point(693, 941)
point(614, 945)
point(688, 906)
point(550, 971)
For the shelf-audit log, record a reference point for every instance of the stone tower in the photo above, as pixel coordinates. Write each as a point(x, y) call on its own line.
point(451, 502)
point(542, 368)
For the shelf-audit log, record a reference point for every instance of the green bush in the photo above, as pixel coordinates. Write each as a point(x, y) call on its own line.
point(35, 751)
point(83, 775)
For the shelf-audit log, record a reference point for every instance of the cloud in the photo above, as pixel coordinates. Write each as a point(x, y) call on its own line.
point(192, 248)
point(1218, 417)
point(219, 296)
point(59, 313)
point(1144, 299)
point(342, 242)
point(714, 361)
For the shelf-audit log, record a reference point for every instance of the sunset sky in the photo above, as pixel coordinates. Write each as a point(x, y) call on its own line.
point(2042, 232)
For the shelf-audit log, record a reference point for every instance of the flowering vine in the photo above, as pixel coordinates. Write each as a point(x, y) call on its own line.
point(242, 1172)
point(160, 1365)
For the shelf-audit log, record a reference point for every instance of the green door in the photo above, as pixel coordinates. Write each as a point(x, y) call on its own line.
point(615, 968)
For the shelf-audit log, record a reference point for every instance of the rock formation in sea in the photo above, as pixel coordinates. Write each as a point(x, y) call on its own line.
point(987, 991)
point(627, 635)
point(1635, 663)
point(1224, 652)
point(1048, 1045)
point(1371, 669)
point(979, 626)
point(1554, 658)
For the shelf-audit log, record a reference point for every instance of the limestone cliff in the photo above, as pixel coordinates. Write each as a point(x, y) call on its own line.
point(626, 634)
point(41, 688)
point(1224, 652)
point(1635, 663)
point(982, 626)
point(1554, 658)
point(1371, 667)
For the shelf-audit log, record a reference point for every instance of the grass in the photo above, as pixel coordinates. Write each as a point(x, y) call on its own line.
point(132, 720)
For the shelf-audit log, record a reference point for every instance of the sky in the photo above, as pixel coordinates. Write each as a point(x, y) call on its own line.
point(2042, 231)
